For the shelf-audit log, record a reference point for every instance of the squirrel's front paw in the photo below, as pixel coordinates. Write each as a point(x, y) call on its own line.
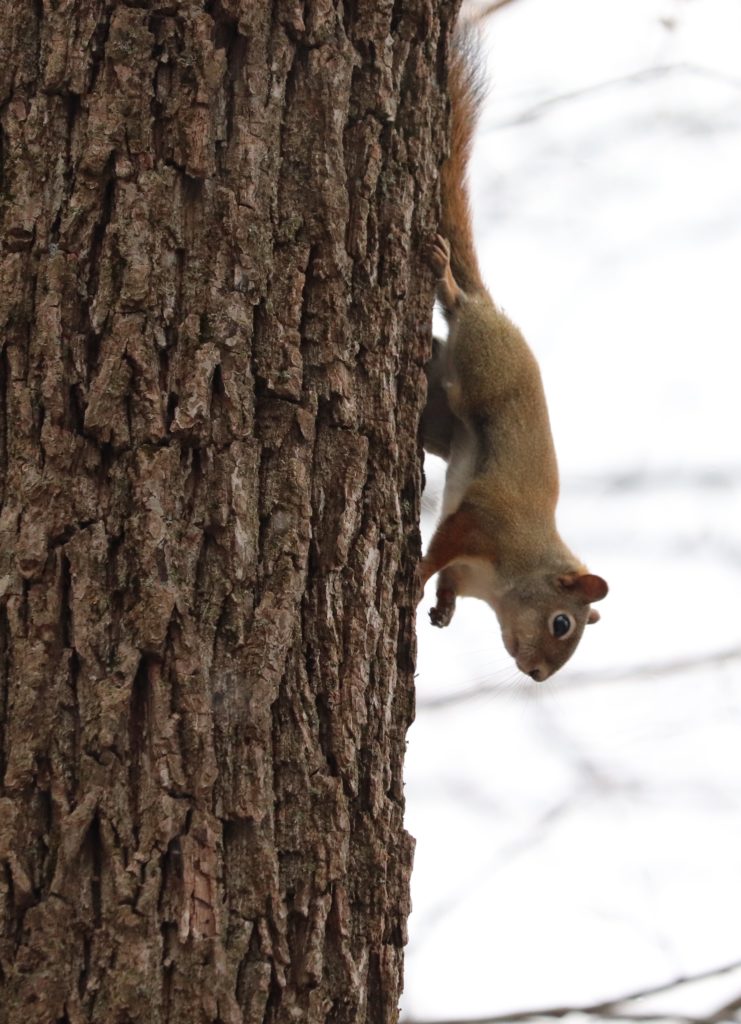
point(438, 255)
point(442, 613)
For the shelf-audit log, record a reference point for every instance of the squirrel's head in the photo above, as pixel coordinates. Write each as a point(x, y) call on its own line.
point(543, 618)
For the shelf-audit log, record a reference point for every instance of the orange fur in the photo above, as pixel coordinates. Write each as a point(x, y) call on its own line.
point(466, 89)
point(497, 538)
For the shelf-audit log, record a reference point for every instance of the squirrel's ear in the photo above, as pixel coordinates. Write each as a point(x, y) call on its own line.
point(593, 616)
point(586, 584)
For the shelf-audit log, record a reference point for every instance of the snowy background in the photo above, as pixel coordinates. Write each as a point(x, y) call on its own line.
point(580, 840)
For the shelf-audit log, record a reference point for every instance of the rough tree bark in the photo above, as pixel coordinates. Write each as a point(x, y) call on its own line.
point(214, 317)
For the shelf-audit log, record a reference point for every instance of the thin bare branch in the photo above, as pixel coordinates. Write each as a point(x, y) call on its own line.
point(491, 8)
point(613, 1008)
point(725, 1013)
point(633, 78)
point(628, 674)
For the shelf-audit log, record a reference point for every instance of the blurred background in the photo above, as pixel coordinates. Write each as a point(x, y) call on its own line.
point(579, 841)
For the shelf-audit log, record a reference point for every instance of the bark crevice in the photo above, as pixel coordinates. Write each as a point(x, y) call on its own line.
point(211, 378)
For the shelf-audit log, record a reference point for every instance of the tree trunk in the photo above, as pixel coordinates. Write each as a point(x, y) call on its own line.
point(214, 314)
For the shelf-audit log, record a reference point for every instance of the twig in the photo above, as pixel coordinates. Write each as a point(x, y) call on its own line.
point(491, 8)
point(581, 679)
point(634, 77)
point(611, 1007)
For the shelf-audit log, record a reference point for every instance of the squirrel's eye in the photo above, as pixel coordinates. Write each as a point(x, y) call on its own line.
point(561, 625)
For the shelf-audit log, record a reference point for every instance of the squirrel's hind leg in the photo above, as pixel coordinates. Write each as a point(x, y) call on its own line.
point(448, 292)
point(438, 422)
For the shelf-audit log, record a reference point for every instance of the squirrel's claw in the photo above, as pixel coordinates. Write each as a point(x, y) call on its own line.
point(442, 613)
point(438, 255)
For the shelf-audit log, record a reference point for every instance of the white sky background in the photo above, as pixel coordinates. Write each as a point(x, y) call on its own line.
point(582, 839)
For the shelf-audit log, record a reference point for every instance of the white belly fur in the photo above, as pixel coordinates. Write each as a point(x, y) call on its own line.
point(477, 578)
point(461, 467)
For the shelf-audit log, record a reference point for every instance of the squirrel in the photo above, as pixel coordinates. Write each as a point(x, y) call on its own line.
point(486, 414)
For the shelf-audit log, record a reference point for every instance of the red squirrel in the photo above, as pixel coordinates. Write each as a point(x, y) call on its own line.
point(486, 414)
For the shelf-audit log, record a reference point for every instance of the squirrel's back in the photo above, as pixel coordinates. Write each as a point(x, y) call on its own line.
point(494, 379)
point(467, 89)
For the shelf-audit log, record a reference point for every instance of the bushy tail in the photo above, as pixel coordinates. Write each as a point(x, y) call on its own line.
point(467, 88)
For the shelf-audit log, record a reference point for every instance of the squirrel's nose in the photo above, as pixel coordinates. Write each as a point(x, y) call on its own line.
point(537, 672)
